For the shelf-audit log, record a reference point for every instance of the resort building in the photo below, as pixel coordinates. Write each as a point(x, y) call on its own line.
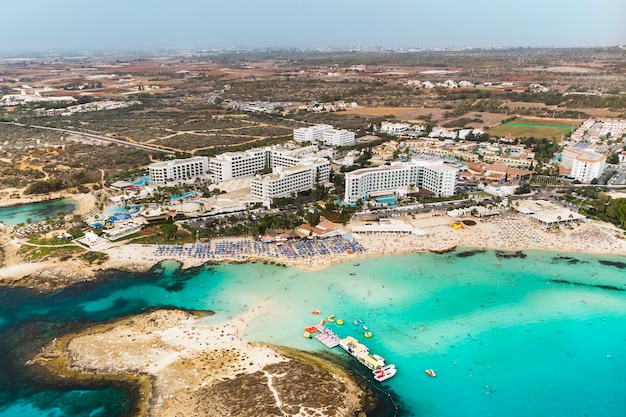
point(283, 182)
point(230, 165)
point(430, 174)
point(178, 170)
point(336, 137)
point(311, 134)
point(580, 162)
point(288, 179)
point(326, 134)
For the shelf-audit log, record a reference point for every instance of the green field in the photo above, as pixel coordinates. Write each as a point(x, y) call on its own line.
point(525, 128)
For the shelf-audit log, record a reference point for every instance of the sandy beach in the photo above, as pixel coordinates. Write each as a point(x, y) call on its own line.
point(511, 232)
point(190, 368)
point(508, 232)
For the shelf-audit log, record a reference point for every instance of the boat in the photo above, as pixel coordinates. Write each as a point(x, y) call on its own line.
point(316, 312)
point(381, 375)
point(340, 322)
point(431, 373)
point(361, 353)
point(367, 334)
point(365, 328)
point(357, 264)
point(355, 323)
point(352, 273)
point(384, 368)
point(307, 335)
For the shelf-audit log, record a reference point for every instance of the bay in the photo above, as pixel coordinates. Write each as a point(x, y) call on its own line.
point(540, 335)
point(36, 212)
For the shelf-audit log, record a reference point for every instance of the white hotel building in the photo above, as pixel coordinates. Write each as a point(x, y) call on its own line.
point(311, 134)
point(178, 170)
point(339, 137)
point(582, 162)
point(288, 179)
point(229, 165)
point(433, 175)
point(283, 182)
point(326, 134)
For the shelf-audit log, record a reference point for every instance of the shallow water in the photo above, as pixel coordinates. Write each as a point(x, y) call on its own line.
point(36, 212)
point(544, 335)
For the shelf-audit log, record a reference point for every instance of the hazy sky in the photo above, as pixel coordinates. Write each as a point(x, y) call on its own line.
point(137, 24)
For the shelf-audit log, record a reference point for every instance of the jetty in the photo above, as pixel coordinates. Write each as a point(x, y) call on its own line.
point(362, 353)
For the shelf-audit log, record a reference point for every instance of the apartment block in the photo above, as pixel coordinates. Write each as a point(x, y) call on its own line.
point(283, 182)
point(582, 163)
point(432, 175)
point(311, 134)
point(336, 137)
point(178, 170)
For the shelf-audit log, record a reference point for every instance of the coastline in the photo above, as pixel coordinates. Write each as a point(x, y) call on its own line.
point(184, 365)
point(509, 233)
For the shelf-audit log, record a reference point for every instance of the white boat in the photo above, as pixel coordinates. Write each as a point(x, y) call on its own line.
point(384, 368)
point(381, 375)
point(362, 353)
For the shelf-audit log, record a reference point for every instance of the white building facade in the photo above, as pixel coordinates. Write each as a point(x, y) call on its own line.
point(283, 182)
point(178, 170)
point(583, 163)
point(432, 175)
point(311, 134)
point(230, 165)
point(588, 167)
point(336, 137)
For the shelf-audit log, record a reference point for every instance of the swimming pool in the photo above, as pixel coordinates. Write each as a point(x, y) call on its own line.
point(141, 181)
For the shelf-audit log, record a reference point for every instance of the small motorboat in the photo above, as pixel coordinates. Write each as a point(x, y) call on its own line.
point(352, 273)
point(316, 312)
point(357, 264)
point(365, 328)
point(384, 368)
point(355, 323)
point(431, 373)
point(384, 375)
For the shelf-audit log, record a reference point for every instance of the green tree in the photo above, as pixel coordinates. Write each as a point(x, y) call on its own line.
point(169, 230)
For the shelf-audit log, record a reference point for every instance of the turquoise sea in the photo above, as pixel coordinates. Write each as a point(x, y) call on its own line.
point(542, 335)
point(11, 216)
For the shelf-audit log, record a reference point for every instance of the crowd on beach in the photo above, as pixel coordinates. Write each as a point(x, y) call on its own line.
point(511, 232)
point(242, 249)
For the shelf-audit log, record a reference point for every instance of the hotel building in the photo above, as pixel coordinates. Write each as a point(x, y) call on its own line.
point(324, 134)
point(233, 165)
point(283, 182)
point(336, 137)
point(311, 134)
point(229, 165)
point(582, 163)
point(178, 170)
point(432, 175)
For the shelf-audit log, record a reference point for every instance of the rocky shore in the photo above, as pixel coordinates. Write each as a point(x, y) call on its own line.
point(186, 367)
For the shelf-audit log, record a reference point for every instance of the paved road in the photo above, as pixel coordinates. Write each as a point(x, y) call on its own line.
point(97, 137)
